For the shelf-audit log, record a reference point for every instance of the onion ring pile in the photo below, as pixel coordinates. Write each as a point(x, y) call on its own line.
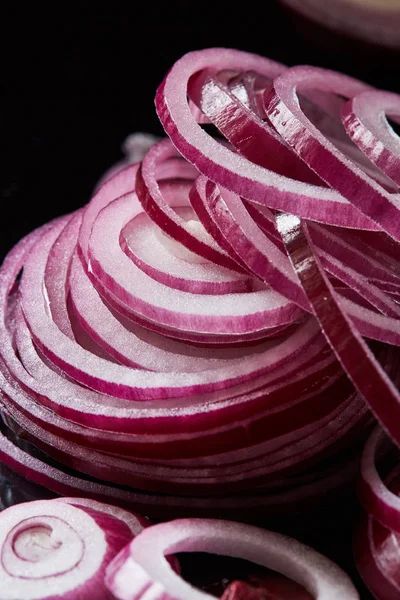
point(216, 332)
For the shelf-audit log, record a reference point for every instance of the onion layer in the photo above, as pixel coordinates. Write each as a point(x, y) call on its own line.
point(142, 569)
point(61, 548)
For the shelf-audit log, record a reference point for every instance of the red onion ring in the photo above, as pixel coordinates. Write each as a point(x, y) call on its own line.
point(227, 168)
point(364, 118)
point(259, 254)
point(229, 380)
point(142, 567)
point(53, 549)
point(377, 499)
point(356, 358)
point(153, 202)
point(332, 165)
point(244, 129)
point(169, 264)
point(376, 539)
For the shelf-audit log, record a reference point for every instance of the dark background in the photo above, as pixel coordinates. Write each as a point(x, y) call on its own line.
point(76, 81)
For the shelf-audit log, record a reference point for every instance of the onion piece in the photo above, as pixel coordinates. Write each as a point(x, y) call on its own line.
point(243, 506)
point(99, 374)
point(57, 266)
point(143, 569)
point(87, 407)
point(356, 358)
point(382, 504)
point(243, 409)
point(129, 344)
point(256, 467)
point(276, 420)
point(364, 258)
point(372, 324)
point(247, 132)
point(277, 587)
point(241, 313)
point(364, 118)
point(122, 183)
point(376, 539)
point(199, 200)
point(376, 554)
point(135, 346)
point(153, 202)
point(227, 168)
point(367, 290)
point(332, 165)
point(165, 260)
point(260, 255)
point(53, 549)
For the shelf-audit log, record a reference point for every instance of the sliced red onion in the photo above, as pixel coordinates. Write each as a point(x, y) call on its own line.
point(370, 323)
point(123, 183)
point(120, 184)
point(289, 446)
point(171, 264)
point(122, 339)
point(257, 468)
point(165, 506)
point(89, 369)
point(356, 358)
point(376, 554)
point(259, 254)
point(144, 571)
point(214, 314)
point(247, 86)
point(176, 358)
point(364, 118)
point(153, 202)
point(239, 590)
point(364, 258)
point(69, 401)
point(220, 413)
point(246, 131)
point(56, 271)
point(367, 290)
point(90, 408)
point(376, 539)
point(60, 549)
point(199, 200)
point(382, 504)
point(231, 170)
point(332, 165)
point(135, 346)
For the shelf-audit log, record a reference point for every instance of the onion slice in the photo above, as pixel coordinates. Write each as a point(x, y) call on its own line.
point(247, 132)
point(141, 570)
point(331, 164)
point(226, 167)
point(351, 350)
point(382, 504)
point(258, 253)
point(152, 199)
point(173, 265)
point(52, 549)
point(364, 118)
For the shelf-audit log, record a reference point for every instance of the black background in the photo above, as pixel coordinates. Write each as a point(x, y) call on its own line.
point(75, 81)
